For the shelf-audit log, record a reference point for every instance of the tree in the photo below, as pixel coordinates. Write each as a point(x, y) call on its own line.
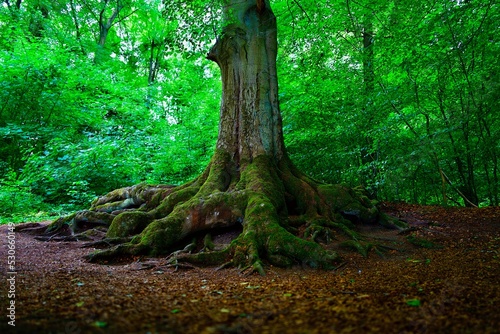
point(108, 15)
point(250, 180)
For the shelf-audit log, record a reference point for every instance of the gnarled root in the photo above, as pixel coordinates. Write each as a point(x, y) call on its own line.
point(283, 215)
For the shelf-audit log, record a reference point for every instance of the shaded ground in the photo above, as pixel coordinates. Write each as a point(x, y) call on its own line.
point(453, 289)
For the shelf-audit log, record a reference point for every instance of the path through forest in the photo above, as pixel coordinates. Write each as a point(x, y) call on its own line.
point(452, 289)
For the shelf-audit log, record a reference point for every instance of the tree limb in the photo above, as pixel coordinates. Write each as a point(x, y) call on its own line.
point(356, 27)
point(126, 16)
point(117, 11)
point(457, 190)
point(85, 4)
point(303, 10)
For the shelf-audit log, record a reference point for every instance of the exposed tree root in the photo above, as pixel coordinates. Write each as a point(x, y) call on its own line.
point(284, 215)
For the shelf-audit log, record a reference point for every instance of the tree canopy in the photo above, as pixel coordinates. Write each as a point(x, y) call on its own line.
point(401, 97)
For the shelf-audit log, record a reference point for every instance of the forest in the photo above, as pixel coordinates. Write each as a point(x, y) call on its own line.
point(155, 156)
point(400, 97)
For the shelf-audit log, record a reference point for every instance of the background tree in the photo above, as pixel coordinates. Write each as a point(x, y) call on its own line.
point(412, 41)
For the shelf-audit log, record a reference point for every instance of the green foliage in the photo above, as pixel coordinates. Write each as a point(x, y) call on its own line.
point(80, 116)
point(71, 129)
point(431, 105)
point(17, 202)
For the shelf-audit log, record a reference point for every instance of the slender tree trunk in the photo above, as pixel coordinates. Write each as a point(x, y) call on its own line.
point(77, 26)
point(103, 34)
point(154, 61)
point(368, 58)
point(368, 158)
point(105, 25)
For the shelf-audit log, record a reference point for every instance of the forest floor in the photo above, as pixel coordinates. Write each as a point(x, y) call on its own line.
point(454, 288)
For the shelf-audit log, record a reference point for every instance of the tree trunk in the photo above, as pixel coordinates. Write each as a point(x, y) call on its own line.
point(77, 26)
point(250, 119)
point(154, 61)
point(369, 159)
point(249, 184)
point(105, 25)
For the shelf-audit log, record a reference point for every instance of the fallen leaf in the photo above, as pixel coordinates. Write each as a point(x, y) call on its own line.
point(413, 302)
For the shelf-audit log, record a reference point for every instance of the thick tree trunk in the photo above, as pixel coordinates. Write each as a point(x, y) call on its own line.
point(250, 182)
point(250, 119)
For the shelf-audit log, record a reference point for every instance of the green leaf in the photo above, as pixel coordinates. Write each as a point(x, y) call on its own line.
point(413, 302)
point(100, 324)
point(253, 287)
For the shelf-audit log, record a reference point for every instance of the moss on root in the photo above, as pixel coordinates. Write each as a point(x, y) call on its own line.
point(271, 202)
point(128, 224)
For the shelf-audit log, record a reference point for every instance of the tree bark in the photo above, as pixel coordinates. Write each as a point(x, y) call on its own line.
point(154, 60)
point(250, 119)
point(106, 23)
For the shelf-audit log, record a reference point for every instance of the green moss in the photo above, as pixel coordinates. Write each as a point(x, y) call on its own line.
point(207, 258)
point(345, 200)
point(235, 200)
point(119, 205)
point(421, 242)
point(162, 234)
point(60, 222)
point(95, 217)
point(128, 224)
point(175, 198)
point(301, 251)
point(113, 196)
point(254, 195)
point(355, 245)
point(262, 229)
point(154, 198)
point(260, 177)
point(219, 175)
point(208, 244)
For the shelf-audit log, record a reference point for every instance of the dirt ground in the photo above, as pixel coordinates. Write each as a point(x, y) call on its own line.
point(453, 288)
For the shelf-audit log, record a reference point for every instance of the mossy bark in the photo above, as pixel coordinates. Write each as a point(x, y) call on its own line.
point(272, 202)
point(250, 181)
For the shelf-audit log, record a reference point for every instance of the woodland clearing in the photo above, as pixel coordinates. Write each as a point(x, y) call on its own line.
point(449, 286)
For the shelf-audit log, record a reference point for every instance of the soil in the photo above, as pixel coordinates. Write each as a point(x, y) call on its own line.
point(450, 287)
